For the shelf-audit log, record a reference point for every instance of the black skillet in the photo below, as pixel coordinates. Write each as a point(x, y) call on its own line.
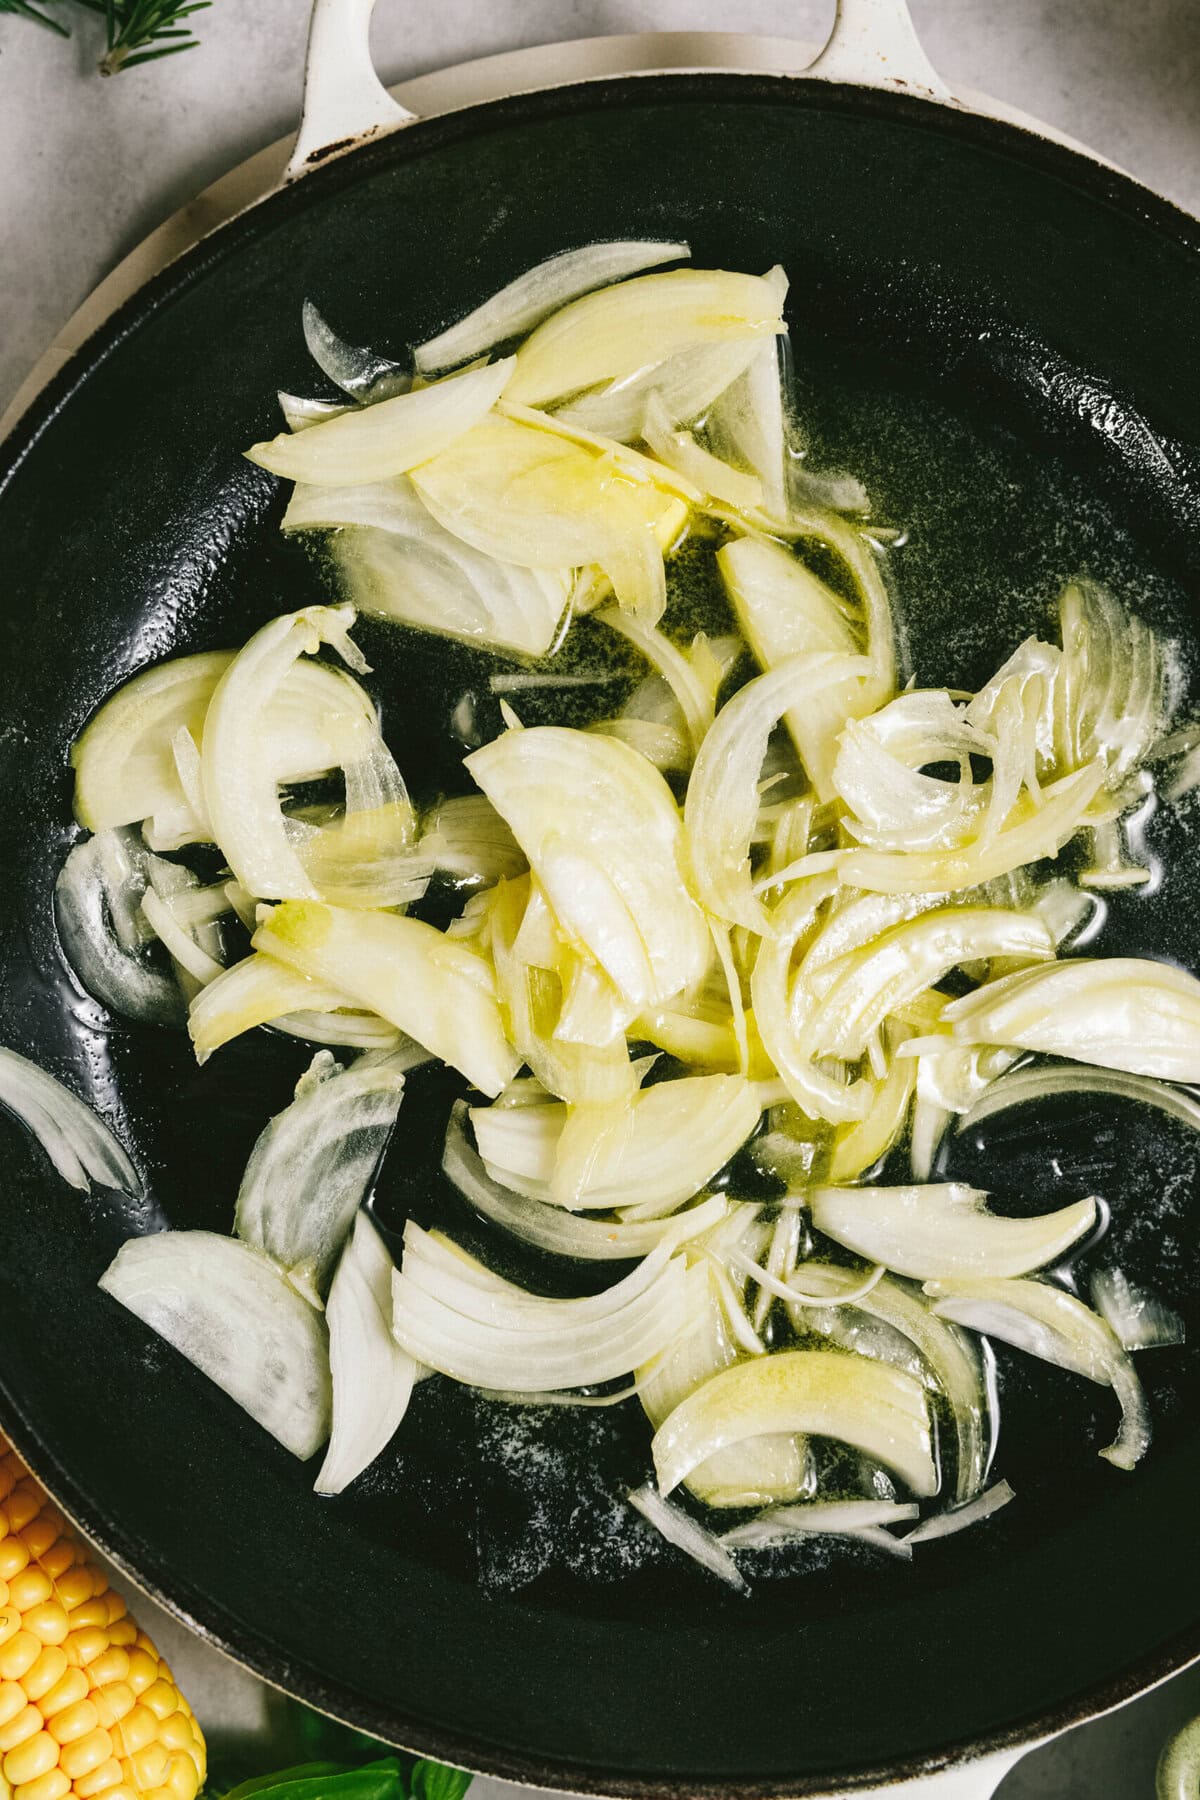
point(998, 333)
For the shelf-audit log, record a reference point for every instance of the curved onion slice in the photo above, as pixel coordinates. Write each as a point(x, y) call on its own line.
point(860, 1145)
point(80, 1145)
point(685, 385)
point(762, 1470)
point(1023, 1086)
point(697, 698)
point(603, 836)
point(400, 563)
point(879, 774)
point(549, 1227)
point(879, 1410)
point(389, 438)
point(861, 1519)
point(664, 1145)
point(961, 1518)
point(946, 1352)
point(466, 837)
point(1031, 832)
point(299, 412)
point(429, 986)
point(232, 1314)
point(1048, 1323)
point(1121, 1012)
point(363, 374)
point(312, 1168)
point(124, 768)
point(721, 811)
point(260, 990)
point(530, 497)
point(540, 291)
point(1109, 693)
point(680, 451)
point(748, 423)
point(1141, 1321)
point(372, 1376)
point(686, 1535)
point(617, 331)
point(454, 1315)
point(101, 883)
point(181, 946)
point(945, 1230)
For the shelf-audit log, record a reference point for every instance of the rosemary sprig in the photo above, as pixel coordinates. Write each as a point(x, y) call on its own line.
point(23, 10)
point(136, 31)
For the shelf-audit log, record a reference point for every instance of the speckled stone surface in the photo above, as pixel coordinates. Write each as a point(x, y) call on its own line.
point(87, 167)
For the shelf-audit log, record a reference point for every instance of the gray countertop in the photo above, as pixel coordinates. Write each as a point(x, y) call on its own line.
point(90, 166)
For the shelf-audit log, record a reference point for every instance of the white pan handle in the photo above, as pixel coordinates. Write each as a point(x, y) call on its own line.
point(344, 100)
point(874, 44)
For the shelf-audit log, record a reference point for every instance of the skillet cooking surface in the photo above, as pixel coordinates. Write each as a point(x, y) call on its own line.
point(966, 302)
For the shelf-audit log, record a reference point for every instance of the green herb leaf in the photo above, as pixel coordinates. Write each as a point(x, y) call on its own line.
point(434, 1781)
point(382, 1780)
point(23, 10)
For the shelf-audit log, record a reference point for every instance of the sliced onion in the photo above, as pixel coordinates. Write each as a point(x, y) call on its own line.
point(1120, 1012)
point(1023, 1086)
point(621, 329)
point(101, 884)
point(1140, 1321)
point(1046, 1322)
point(668, 1142)
point(426, 984)
point(372, 1376)
point(389, 438)
point(549, 1227)
point(124, 767)
point(179, 943)
point(686, 1535)
point(721, 811)
point(363, 374)
point(748, 425)
point(603, 836)
point(260, 990)
point(299, 412)
point(540, 291)
point(697, 698)
point(961, 1518)
point(232, 1314)
point(680, 451)
point(942, 1231)
point(685, 385)
point(400, 563)
point(879, 1410)
point(879, 773)
point(863, 1520)
point(80, 1145)
point(1109, 694)
point(860, 1145)
point(449, 1312)
point(313, 1166)
point(466, 837)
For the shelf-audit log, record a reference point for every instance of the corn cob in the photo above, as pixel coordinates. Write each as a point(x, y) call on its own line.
point(87, 1705)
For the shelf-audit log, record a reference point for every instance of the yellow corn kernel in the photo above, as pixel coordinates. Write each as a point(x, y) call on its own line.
point(13, 1700)
point(32, 1759)
point(13, 1557)
point(49, 1622)
point(61, 1557)
point(113, 1703)
point(23, 1505)
point(73, 1722)
point(30, 1588)
point(53, 1785)
point(112, 1665)
point(86, 1645)
point(143, 1670)
point(46, 1673)
point(117, 1609)
point(66, 1693)
point(184, 1779)
point(26, 1725)
point(93, 1613)
point(162, 1699)
point(102, 1779)
point(40, 1534)
point(10, 1623)
point(74, 1587)
point(124, 1790)
point(18, 1656)
point(87, 1754)
point(176, 1731)
point(138, 1728)
point(150, 1766)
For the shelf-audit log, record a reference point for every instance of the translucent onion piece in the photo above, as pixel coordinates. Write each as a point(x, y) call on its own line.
point(879, 774)
point(1178, 1775)
point(260, 990)
point(685, 385)
point(758, 1472)
point(908, 959)
point(399, 562)
point(81, 1147)
point(466, 837)
point(748, 424)
point(1109, 694)
point(944, 1230)
point(363, 374)
point(1048, 1323)
point(372, 1376)
point(346, 1028)
point(180, 944)
point(665, 1144)
point(879, 1410)
point(696, 698)
point(299, 413)
point(529, 497)
point(540, 291)
point(434, 989)
point(630, 462)
point(961, 1518)
point(232, 1314)
point(451, 1313)
point(861, 1519)
point(389, 438)
point(1141, 1321)
point(549, 1227)
point(603, 836)
point(859, 1146)
point(313, 1166)
point(1121, 1012)
point(366, 854)
point(680, 451)
point(686, 1535)
point(1032, 832)
point(721, 811)
point(101, 882)
point(123, 762)
point(621, 329)
point(946, 1352)
point(1023, 1086)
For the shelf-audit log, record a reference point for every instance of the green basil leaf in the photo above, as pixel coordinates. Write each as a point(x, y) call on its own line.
point(434, 1781)
point(382, 1780)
